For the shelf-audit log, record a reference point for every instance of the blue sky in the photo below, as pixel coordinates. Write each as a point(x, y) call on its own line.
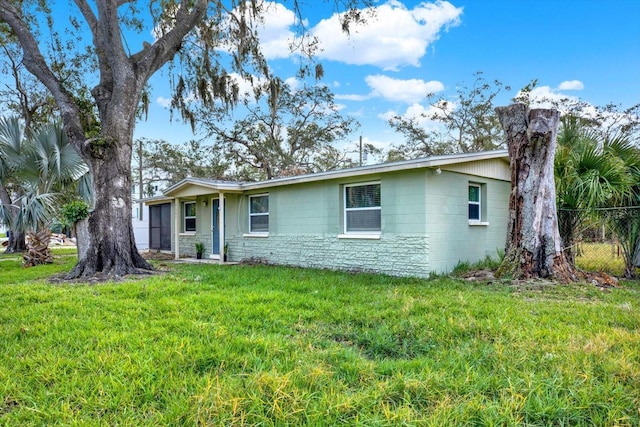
point(581, 48)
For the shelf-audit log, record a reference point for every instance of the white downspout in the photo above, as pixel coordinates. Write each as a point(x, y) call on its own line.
point(221, 222)
point(176, 227)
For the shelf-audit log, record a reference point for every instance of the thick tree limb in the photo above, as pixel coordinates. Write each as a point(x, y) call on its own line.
point(35, 63)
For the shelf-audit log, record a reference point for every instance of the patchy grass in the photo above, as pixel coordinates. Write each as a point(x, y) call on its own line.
point(258, 345)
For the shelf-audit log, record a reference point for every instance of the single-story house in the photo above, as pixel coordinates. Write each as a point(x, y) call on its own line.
point(406, 218)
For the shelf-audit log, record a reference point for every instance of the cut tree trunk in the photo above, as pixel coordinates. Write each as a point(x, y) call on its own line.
point(534, 247)
point(38, 251)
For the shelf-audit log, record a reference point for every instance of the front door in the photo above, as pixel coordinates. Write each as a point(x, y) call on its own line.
point(215, 226)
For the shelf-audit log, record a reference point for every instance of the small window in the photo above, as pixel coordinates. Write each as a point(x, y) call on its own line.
point(475, 207)
point(189, 217)
point(259, 214)
point(362, 212)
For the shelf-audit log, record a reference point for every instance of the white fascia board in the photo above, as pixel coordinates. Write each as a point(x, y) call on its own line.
point(430, 162)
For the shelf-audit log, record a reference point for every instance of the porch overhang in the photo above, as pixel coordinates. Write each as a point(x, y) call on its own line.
point(194, 187)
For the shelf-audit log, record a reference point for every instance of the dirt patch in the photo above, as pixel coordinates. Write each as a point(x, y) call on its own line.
point(157, 256)
point(8, 405)
point(602, 281)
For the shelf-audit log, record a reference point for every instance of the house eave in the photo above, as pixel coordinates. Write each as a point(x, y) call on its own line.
point(200, 187)
point(430, 162)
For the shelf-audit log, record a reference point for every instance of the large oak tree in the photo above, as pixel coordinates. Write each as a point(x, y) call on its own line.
point(195, 35)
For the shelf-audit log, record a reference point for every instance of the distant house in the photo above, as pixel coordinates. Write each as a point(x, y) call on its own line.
point(140, 211)
point(408, 218)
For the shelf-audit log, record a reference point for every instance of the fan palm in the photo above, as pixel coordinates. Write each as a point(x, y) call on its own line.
point(10, 149)
point(45, 163)
point(625, 221)
point(590, 174)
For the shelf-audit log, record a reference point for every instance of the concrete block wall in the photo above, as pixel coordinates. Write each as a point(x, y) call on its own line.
point(396, 255)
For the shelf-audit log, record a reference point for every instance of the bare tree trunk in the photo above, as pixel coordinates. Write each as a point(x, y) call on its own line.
point(534, 247)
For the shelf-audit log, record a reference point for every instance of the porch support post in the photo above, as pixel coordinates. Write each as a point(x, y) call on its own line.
point(176, 227)
point(221, 222)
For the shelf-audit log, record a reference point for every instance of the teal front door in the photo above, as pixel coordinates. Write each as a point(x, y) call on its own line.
point(215, 229)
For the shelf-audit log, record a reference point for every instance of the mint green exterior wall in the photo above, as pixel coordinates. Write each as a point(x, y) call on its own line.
point(453, 239)
point(424, 220)
point(306, 220)
point(203, 224)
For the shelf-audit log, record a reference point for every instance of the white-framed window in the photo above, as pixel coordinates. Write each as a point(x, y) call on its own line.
point(475, 202)
point(189, 215)
point(259, 213)
point(362, 208)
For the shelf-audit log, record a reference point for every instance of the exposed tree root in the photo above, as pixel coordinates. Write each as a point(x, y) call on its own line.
point(90, 267)
point(563, 272)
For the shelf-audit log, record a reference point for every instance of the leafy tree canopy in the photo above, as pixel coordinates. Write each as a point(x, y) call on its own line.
point(284, 131)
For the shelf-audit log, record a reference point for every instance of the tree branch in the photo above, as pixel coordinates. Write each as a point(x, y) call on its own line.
point(152, 57)
point(35, 63)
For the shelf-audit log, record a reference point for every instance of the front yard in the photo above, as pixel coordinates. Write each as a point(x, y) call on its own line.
point(258, 345)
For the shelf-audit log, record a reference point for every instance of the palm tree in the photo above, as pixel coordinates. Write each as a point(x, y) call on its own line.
point(10, 148)
point(624, 218)
point(589, 175)
point(45, 163)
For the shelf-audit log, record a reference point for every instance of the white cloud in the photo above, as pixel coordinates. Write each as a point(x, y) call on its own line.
point(395, 37)
point(293, 83)
point(273, 28)
point(546, 97)
point(163, 102)
point(396, 90)
point(409, 91)
point(571, 85)
point(274, 33)
point(418, 112)
point(245, 87)
point(353, 97)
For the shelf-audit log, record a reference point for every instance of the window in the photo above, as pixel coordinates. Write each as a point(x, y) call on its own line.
point(362, 211)
point(474, 202)
point(189, 217)
point(259, 214)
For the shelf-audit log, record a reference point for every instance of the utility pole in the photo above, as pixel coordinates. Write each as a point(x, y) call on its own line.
point(360, 150)
point(140, 192)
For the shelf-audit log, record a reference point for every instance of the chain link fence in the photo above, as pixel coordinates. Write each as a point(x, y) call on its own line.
point(603, 239)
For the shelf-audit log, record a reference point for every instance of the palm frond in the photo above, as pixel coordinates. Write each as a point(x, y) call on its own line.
point(11, 138)
point(35, 210)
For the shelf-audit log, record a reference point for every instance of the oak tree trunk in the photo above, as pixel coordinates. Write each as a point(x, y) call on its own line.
point(533, 248)
point(110, 249)
point(108, 245)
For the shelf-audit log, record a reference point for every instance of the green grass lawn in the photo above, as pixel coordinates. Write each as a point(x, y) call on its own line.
point(257, 345)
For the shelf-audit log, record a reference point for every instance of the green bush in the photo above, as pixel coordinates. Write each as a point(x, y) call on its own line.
point(75, 211)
